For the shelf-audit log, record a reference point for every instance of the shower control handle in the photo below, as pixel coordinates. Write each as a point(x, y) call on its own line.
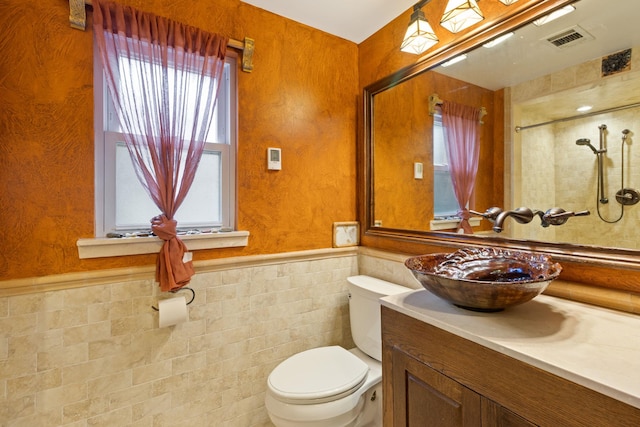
point(490, 214)
point(628, 196)
point(558, 216)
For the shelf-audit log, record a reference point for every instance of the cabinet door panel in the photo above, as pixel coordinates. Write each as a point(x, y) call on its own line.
point(495, 415)
point(423, 397)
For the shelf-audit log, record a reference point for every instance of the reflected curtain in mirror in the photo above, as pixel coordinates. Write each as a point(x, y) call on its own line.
point(461, 123)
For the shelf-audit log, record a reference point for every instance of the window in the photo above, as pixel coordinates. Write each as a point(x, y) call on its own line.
point(444, 198)
point(123, 205)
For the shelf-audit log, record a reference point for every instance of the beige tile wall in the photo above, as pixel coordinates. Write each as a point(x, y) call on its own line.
point(387, 266)
point(556, 172)
point(94, 356)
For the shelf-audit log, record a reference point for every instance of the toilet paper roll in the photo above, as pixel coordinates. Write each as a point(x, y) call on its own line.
point(172, 311)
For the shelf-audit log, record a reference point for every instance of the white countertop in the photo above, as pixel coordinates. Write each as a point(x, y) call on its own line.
point(594, 347)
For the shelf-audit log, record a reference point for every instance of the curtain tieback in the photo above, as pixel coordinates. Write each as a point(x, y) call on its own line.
point(464, 214)
point(464, 225)
point(173, 271)
point(164, 228)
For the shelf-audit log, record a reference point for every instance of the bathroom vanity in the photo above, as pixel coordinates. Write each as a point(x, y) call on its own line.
point(548, 362)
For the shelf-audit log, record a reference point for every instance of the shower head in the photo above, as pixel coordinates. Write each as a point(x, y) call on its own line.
point(625, 134)
point(587, 142)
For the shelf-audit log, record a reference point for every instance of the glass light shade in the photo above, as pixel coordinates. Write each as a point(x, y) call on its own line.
point(461, 14)
point(508, 2)
point(419, 36)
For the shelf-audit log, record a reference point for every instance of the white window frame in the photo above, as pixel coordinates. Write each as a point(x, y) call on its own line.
point(105, 144)
point(438, 128)
point(99, 246)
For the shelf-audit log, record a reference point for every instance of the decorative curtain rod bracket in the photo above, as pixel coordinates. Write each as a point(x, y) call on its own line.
point(434, 101)
point(78, 14)
point(247, 47)
point(78, 20)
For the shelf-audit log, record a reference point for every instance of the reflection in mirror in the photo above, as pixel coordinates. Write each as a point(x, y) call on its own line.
point(404, 135)
point(535, 84)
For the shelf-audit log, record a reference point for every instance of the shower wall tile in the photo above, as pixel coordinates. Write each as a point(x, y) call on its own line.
point(577, 75)
point(568, 172)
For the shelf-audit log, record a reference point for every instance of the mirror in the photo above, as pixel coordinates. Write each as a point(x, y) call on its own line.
point(525, 82)
point(545, 167)
point(564, 69)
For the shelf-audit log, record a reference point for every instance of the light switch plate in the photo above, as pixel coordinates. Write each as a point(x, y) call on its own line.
point(417, 170)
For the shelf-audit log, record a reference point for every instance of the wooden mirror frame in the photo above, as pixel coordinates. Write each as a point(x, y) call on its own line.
point(598, 266)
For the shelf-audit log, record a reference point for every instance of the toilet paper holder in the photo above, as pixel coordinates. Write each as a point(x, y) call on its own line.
point(184, 288)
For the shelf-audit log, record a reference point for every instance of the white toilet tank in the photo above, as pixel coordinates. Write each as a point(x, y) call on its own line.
point(364, 311)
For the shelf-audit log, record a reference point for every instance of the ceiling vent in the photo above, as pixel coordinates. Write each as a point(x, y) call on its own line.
point(570, 37)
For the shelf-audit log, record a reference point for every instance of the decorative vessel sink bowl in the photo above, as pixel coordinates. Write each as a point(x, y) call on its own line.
point(486, 279)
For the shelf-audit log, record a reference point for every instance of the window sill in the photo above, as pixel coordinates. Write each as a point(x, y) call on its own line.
point(101, 247)
point(448, 224)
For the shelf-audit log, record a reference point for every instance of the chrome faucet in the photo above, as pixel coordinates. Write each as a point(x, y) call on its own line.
point(522, 215)
point(497, 216)
point(490, 214)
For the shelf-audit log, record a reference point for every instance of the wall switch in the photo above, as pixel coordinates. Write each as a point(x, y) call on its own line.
point(417, 170)
point(274, 159)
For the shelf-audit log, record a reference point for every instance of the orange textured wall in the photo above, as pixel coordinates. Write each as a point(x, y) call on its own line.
point(300, 97)
point(403, 132)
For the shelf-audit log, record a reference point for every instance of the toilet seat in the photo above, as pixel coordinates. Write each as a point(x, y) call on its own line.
point(318, 375)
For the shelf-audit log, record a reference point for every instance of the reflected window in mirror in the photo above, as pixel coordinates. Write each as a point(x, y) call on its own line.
point(445, 204)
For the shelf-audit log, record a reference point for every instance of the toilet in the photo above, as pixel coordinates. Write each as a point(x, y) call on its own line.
point(331, 386)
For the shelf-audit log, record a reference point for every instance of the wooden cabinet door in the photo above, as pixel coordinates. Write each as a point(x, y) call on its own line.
point(423, 397)
point(495, 415)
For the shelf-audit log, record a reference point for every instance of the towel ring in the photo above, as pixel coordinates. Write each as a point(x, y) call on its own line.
point(184, 288)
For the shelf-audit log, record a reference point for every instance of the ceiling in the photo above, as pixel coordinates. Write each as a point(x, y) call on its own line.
point(525, 56)
point(353, 20)
point(608, 26)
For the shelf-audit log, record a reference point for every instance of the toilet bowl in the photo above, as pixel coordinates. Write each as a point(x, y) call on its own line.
point(331, 386)
point(331, 401)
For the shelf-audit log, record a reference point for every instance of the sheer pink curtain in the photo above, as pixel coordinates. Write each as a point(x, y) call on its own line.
point(462, 124)
point(166, 123)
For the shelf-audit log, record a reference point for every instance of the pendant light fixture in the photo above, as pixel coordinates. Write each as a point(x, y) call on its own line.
point(461, 14)
point(419, 36)
point(508, 2)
